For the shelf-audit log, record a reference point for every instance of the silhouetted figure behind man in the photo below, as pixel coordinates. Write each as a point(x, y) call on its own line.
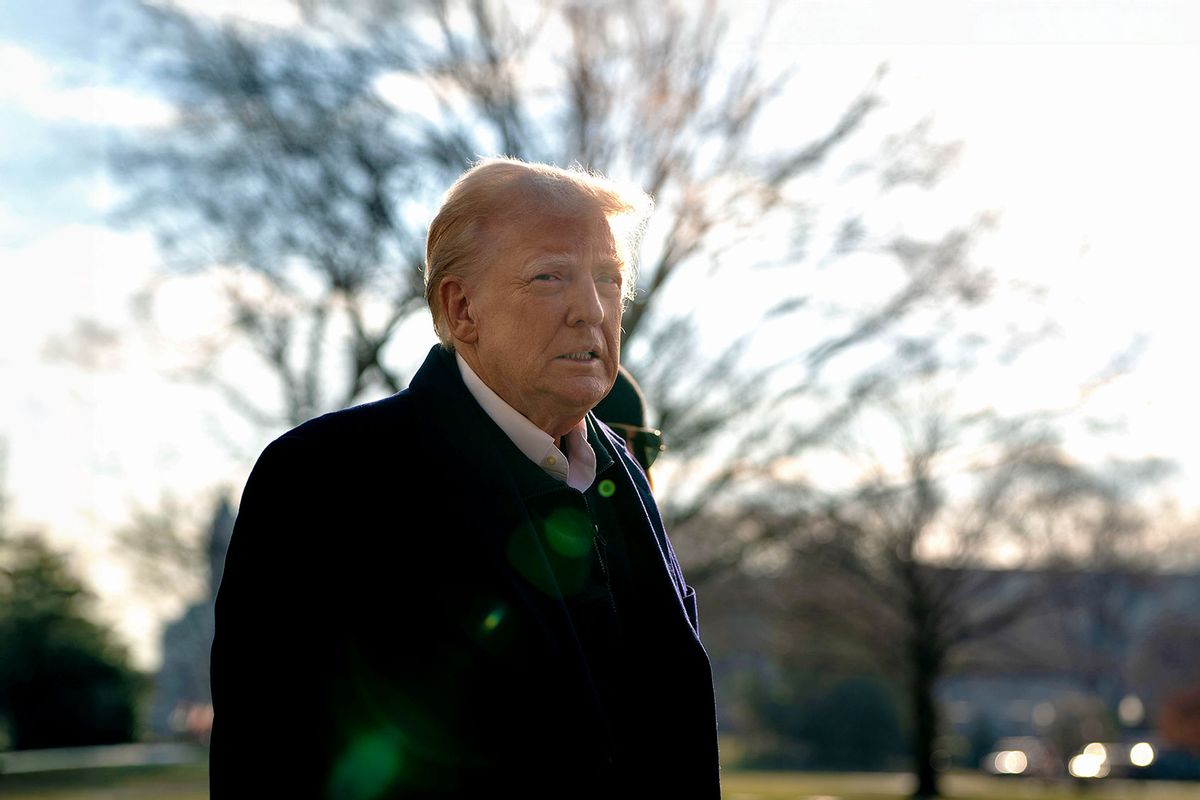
point(465, 589)
point(624, 410)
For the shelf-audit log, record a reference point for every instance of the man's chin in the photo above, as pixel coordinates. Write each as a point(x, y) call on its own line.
point(584, 395)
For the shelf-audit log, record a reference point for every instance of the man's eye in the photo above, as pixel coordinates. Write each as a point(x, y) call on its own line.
point(614, 279)
point(545, 276)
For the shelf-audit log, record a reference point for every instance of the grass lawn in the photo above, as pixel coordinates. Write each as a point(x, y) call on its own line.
point(961, 786)
point(176, 782)
point(190, 782)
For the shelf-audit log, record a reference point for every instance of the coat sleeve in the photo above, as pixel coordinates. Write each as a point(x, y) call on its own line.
point(269, 737)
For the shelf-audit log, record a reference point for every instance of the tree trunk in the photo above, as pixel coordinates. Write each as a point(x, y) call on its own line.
point(926, 668)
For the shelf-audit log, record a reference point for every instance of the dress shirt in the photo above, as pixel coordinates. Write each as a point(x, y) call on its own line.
point(538, 446)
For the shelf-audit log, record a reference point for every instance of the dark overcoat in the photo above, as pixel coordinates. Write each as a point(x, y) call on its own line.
point(389, 623)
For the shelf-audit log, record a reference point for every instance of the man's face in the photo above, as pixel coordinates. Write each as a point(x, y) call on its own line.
point(547, 312)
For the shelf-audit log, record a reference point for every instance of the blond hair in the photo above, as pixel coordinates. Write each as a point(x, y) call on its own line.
point(499, 191)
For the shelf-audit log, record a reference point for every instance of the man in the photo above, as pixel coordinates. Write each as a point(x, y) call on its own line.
point(466, 588)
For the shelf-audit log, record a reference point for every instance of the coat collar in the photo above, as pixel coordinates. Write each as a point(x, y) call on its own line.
point(474, 445)
point(475, 450)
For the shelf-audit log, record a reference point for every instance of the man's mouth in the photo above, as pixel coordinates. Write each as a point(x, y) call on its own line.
point(582, 355)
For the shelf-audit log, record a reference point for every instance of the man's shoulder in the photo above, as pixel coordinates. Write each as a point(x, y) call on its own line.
point(398, 414)
point(367, 423)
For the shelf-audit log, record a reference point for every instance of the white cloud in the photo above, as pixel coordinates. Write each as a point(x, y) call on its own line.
point(21, 69)
point(35, 87)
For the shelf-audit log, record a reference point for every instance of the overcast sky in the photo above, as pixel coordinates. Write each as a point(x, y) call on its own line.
point(1080, 129)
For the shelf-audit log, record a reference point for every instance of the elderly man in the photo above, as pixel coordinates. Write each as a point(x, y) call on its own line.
point(465, 589)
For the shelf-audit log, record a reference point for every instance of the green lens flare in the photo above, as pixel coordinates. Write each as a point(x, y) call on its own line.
point(367, 768)
point(606, 488)
point(493, 620)
point(569, 532)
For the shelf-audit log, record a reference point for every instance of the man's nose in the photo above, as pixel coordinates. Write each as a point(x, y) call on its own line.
point(586, 307)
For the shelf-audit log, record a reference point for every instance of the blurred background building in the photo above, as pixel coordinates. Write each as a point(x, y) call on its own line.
point(182, 703)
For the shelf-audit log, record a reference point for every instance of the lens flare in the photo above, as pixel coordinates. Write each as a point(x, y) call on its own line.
point(1087, 765)
point(606, 488)
point(1015, 762)
point(493, 619)
point(1131, 710)
point(367, 768)
point(569, 532)
point(1141, 754)
point(1010, 762)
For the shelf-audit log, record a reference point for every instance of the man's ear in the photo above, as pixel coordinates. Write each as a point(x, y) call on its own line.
point(456, 305)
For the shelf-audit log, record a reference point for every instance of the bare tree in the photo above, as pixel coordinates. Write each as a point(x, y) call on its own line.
point(956, 528)
point(294, 171)
point(304, 163)
point(165, 547)
point(283, 164)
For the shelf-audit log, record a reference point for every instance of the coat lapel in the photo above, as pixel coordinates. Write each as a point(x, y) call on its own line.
point(475, 455)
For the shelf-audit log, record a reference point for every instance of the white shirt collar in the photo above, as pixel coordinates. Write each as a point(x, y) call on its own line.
point(537, 445)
